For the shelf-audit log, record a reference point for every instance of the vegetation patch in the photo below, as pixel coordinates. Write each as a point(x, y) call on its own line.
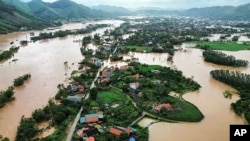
point(241, 82)
point(227, 46)
point(228, 94)
point(111, 96)
point(182, 110)
point(6, 96)
point(149, 87)
point(20, 80)
point(8, 53)
point(221, 58)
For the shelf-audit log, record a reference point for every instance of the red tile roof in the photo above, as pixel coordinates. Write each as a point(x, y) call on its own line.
point(167, 106)
point(90, 139)
point(92, 119)
point(115, 131)
point(124, 67)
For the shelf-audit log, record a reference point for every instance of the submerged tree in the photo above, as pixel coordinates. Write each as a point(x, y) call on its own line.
point(221, 58)
point(20, 80)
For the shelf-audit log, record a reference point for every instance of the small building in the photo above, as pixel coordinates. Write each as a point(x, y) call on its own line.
point(107, 47)
point(90, 118)
point(98, 63)
point(23, 42)
point(115, 131)
point(90, 139)
point(155, 71)
point(167, 106)
point(134, 85)
point(73, 98)
point(91, 132)
point(132, 139)
point(124, 67)
point(115, 106)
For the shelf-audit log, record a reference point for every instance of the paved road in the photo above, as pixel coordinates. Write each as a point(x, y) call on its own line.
point(72, 129)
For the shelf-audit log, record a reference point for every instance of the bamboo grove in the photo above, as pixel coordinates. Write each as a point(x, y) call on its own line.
point(221, 58)
point(241, 82)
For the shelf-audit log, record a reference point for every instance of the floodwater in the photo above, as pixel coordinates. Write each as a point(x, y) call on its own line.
point(216, 37)
point(44, 60)
point(209, 99)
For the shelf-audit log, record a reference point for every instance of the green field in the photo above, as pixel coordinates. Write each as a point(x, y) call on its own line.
point(186, 111)
point(231, 46)
point(140, 48)
point(149, 68)
point(111, 96)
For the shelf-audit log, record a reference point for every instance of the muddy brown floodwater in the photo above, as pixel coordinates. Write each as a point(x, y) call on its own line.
point(209, 99)
point(44, 60)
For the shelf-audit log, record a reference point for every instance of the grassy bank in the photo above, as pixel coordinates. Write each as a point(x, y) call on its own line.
point(111, 96)
point(230, 46)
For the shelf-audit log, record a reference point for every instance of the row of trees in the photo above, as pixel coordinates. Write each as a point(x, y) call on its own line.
point(221, 58)
point(241, 82)
point(8, 53)
point(6, 96)
point(236, 79)
point(20, 80)
point(61, 33)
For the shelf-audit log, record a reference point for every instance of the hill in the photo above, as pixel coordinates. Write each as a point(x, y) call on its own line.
point(216, 12)
point(113, 10)
point(13, 19)
point(61, 9)
point(221, 12)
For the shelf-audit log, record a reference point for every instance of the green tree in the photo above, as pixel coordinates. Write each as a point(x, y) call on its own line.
point(93, 93)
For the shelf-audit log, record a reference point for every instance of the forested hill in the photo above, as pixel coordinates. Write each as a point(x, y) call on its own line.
point(61, 9)
point(13, 19)
point(241, 12)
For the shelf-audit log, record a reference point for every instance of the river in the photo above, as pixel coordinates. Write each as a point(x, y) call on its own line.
point(44, 60)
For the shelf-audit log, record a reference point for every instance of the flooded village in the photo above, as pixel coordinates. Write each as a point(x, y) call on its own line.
point(141, 78)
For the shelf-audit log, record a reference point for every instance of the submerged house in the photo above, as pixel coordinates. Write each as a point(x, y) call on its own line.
point(23, 42)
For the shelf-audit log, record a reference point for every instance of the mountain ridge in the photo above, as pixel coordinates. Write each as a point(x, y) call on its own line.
point(68, 9)
point(13, 19)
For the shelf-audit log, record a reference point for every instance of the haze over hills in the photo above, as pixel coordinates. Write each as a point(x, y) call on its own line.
point(68, 9)
point(113, 10)
point(22, 13)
